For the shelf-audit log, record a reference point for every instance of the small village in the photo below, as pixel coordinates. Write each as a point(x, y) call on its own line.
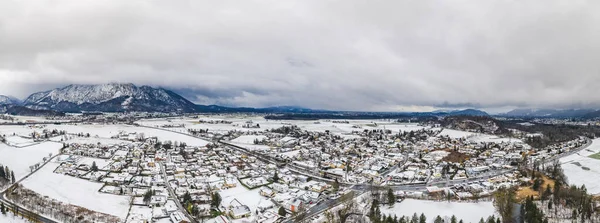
point(265, 175)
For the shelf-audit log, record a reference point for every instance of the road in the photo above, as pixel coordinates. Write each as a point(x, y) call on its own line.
point(362, 188)
point(172, 193)
point(23, 211)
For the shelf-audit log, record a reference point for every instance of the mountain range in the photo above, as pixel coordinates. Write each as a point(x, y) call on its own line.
point(109, 98)
point(127, 97)
point(120, 97)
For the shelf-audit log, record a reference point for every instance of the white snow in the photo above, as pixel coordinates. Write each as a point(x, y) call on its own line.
point(76, 191)
point(467, 211)
point(20, 159)
point(475, 137)
point(248, 139)
point(100, 163)
point(107, 131)
point(455, 133)
point(251, 198)
point(10, 218)
point(573, 166)
point(18, 141)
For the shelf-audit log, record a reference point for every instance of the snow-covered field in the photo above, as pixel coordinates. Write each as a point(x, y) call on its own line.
point(404, 127)
point(248, 139)
point(491, 138)
point(10, 218)
point(89, 140)
point(455, 133)
point(342, 129)
point(468, 212)
point(583, 170)
point(107, 131)
point(475, 137)
point(101, 163)
point(19, 141)
point(20, 159)
point(76, 191)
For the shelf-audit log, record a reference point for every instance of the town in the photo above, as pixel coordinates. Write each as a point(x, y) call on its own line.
point(243, 168)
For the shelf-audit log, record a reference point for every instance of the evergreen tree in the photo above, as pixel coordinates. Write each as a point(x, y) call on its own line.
point(336, 185)
point(415, 218)
point(391, 197)
point(503, 202)
point(148, 196)
point(94, 167)
point(282, 211)
point(276, 177)
point(546, 194)
point(7, 173)
point(216, 200)
point(422, 218)
point(2, 208)
point(453, 219)
point(12, 176)
point(2, 174)
point(438, 219)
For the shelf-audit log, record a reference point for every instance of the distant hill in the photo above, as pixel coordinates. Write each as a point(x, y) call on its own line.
point(109, 98)
point(24, 111)
point(7, 100)
point(548, 113)
point(377, 115)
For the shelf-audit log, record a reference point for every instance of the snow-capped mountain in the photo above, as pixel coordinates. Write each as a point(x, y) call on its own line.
point(114, 97)
point(6, 100)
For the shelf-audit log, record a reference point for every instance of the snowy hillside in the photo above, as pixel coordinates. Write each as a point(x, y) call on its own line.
point(5, 100)
point(109, 97)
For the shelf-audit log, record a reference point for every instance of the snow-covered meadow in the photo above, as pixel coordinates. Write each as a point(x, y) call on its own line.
point(475, 137)
point(76, 191)
point(19, 159)
point(467, 211)
point(580, 169)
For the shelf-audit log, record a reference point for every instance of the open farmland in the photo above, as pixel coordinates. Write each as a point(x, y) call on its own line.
point(19, 159)
point(583, 169)
point(76, 191)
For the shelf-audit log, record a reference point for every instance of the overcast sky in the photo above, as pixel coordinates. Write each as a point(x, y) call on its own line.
point(349, 55)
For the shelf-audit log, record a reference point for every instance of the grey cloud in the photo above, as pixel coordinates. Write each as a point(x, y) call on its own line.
point(351, 55)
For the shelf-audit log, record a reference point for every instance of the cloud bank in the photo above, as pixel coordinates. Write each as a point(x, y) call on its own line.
point(347, 55)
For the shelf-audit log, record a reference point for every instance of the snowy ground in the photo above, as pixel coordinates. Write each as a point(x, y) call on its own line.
point(89, 140)
point(107, 131)
point(475, 137)
point(19, 141)
point(101, 163)
point(319, 126)
point(468, 212)
point(10, 218)
point(20, 159)
point(76, 191)
point(251, 198)
point(491, 138)
point(583, 170)
point(248, 139)
point(455, 133)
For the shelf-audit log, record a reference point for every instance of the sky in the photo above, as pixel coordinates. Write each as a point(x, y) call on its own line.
point(395, 55)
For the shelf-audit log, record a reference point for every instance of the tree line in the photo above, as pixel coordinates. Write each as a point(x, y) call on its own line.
point(7, 174)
